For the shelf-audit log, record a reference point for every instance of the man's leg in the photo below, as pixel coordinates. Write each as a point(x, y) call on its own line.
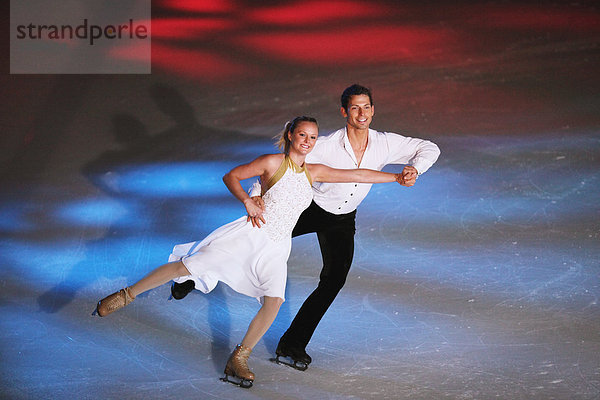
point(337, 249)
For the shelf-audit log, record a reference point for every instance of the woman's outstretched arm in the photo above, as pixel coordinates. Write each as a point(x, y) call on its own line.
point(323, 173)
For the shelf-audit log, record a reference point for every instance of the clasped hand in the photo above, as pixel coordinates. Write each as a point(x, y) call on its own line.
point(255, 206)
point(408, 177)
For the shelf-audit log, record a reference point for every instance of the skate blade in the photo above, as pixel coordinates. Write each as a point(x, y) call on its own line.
point(243, 383)
point(289, 362)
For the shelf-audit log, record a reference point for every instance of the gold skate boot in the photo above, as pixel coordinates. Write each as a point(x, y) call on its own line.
point(236, 370)
point(114, 302)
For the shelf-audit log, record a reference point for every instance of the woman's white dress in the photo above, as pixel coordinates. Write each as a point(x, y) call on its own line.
point(252, 261)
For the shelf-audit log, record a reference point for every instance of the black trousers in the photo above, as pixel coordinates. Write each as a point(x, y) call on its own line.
point(336, 239)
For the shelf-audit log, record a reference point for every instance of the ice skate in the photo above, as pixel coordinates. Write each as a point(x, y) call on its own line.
point(236, 370)
point(180, 290)
point(114, 302)
point(292, 357)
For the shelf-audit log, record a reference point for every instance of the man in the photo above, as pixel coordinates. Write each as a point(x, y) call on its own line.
point(332, 212)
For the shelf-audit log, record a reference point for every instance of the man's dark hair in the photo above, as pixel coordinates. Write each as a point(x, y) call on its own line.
point(355, 90)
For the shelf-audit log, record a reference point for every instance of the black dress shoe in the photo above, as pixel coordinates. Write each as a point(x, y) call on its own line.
point(292, 356)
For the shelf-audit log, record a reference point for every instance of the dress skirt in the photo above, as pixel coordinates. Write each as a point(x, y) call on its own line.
point(239, 255)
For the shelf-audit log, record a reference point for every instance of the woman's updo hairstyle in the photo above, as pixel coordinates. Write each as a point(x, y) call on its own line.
point(283, 141)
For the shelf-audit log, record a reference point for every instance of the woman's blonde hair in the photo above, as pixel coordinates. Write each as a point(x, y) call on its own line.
point(283, 140)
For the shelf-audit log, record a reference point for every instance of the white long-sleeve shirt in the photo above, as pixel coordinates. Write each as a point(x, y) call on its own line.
point(383, 148)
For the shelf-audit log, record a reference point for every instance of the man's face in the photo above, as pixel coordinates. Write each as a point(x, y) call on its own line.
point(360, 112)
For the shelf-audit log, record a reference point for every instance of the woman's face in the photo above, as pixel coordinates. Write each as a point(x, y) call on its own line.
point(303, 139)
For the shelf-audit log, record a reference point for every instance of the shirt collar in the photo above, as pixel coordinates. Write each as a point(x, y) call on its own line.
point(345, 142)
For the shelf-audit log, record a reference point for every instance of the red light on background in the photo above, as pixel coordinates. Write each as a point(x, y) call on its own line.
point(186, 28)
point(312, 12)
point(200, 6)
point(198, 64)
point(370, 45)
point(346, 33)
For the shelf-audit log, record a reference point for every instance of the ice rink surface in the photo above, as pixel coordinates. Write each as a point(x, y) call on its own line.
point(480, 282)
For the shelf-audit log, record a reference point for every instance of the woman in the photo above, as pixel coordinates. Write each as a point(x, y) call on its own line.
point(253, 261)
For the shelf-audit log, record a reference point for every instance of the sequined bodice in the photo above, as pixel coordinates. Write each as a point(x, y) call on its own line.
point(284, 202)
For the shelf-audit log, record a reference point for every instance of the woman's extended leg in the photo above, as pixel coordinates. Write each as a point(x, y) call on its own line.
point(157, 277)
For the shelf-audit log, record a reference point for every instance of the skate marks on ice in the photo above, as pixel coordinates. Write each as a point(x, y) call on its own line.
point(440, 302)
point(523, 224)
